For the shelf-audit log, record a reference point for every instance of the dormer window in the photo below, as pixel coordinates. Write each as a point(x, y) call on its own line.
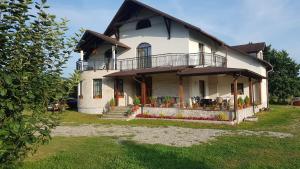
point(142, 24)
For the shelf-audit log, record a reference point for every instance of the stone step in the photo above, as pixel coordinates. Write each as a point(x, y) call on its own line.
point(118, 111)
point(114, 116)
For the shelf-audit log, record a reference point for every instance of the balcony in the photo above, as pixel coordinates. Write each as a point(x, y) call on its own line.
point(161, 60)
point(101, 64)
point(172, 59)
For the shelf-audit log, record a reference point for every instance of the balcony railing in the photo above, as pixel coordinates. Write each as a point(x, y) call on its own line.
point(101, 64)
point(172, 59)
point(168, 59)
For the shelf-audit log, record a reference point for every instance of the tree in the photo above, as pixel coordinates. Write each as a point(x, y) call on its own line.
point(33, 49)
point(284, 81)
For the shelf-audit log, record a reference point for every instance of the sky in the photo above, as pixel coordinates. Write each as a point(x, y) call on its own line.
point(276, 22)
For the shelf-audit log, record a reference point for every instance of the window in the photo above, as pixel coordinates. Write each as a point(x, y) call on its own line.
point(240, 89)
point(202, 88)
point(201, 53)
point(80, 89)
point(119, 86)
point(97, 88)
point(144, 55)
point(142, 24)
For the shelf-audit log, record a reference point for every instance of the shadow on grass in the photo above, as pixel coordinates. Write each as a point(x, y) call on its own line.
point(155, 157)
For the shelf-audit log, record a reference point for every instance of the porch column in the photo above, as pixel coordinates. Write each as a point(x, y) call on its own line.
point(113, 51)
point(81, 59)
point(250, 91)
point(116, 92)
point(235, 96)
point(143, 92)
point(259, 91)
point(181, 92)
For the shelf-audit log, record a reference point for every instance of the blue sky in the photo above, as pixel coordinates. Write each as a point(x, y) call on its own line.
point(275, 22)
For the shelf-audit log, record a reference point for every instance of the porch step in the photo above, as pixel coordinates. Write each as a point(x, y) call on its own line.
point(117, 113)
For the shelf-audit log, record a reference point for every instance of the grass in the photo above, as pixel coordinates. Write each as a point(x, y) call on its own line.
point(250, 152)
point(278, 119)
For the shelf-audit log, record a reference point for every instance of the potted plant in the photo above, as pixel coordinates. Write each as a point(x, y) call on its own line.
point(167, 101)
point(247, 101)
point(153, 101)
point(240, 102)
point(136, 102)
point(112, 104)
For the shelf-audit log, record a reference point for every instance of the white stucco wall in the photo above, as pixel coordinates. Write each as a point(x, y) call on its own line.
point(182, 41)
point(156, 36)
point(91, 105)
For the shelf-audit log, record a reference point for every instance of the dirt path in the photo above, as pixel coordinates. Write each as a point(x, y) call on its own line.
point(172, 136)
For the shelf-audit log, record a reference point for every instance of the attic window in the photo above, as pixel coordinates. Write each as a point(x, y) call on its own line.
point(142, 24)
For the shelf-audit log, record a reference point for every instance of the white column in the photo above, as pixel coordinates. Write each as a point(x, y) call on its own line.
point(113, 49)
point(81, 59)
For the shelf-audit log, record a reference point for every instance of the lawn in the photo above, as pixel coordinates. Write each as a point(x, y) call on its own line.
point(278, 119)
point(224, 152)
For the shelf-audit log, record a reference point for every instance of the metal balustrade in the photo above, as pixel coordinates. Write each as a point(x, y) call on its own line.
point(161, 60)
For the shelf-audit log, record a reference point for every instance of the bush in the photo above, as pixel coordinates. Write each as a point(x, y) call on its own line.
point(222, 117)
point(247, 100)
point(112, 102)
point(161, 114)
point(167, 99)
point(136, 101)
point(240, 101)
point(128, 112)
point(179, 115)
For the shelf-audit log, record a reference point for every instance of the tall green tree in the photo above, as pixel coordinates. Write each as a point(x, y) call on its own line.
point(33, 49)
point(284, 81)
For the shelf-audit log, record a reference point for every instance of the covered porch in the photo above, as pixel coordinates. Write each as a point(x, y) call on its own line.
point(193, 92)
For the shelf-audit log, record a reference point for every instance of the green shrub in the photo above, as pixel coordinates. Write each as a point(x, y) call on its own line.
point(247, 100)
point(222, 116)
point(161, 114)
point(167, 99)
point(112, 102)
point(128, 112)
point(136, 101)
point(240, 101)
point(179, 115)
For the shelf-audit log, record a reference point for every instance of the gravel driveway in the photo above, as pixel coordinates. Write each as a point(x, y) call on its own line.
point(172, 136)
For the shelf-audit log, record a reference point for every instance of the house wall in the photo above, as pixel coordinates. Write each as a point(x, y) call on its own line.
point(156, 36)
point(234, 60)
point(182, 41)
point(165, 85)
point(91, 105)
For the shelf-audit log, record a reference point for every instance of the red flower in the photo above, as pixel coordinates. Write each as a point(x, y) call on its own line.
point(173, 117)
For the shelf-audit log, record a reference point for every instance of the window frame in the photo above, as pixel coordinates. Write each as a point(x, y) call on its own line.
point(144, 55)
point(99, 95)
point(143, 24)
point(240, 89)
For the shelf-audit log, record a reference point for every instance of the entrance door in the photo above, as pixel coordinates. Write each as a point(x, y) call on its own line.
point(201, 88)
point(148, 88)
point(118, 90)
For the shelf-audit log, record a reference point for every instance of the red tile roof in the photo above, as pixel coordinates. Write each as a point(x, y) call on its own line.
point(251, 47)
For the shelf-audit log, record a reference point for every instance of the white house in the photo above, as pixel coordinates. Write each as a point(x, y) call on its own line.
point(149, 54)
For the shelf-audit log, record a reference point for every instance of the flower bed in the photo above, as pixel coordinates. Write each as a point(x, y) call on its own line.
point(174, 117)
